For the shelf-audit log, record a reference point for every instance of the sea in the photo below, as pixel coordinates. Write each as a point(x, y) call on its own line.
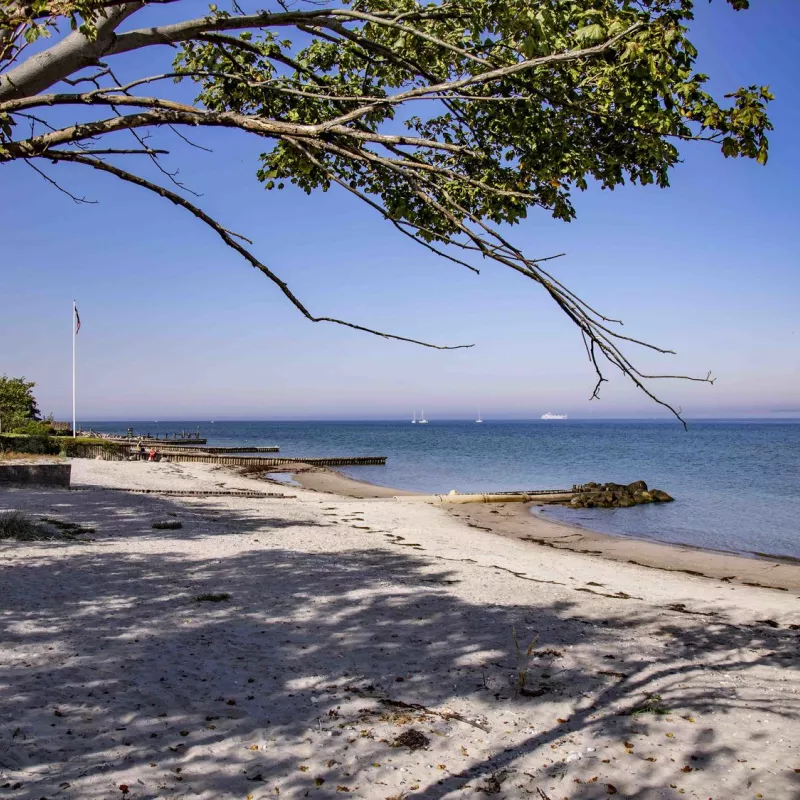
point(735, 482)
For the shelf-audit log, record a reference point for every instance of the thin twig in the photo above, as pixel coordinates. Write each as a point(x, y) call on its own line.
point(74, 198)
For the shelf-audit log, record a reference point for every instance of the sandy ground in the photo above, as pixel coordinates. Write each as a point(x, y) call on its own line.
point(352, 622)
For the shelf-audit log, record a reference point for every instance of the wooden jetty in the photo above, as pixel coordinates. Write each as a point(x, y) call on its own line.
point(208, 451)
point(145, 440)
point(254, 461)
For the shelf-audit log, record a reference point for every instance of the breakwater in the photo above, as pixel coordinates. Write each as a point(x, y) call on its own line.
point(111, 452)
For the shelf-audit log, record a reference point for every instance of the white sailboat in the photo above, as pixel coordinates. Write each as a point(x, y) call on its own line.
point(422, 420)
point(414, 421)
point(479, 416)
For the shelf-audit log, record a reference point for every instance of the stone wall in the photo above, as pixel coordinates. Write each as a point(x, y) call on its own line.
point(47, 474)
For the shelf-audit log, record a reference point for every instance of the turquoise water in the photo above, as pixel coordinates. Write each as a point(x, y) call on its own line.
point(735, 483)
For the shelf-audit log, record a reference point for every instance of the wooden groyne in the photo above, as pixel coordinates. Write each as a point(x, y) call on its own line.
point(538, 491)
point(199, 456)
point(538, 495)
point(205, 493)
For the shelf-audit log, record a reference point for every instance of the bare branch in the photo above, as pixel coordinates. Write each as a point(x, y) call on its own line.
point(124, 152)
point(229, 239)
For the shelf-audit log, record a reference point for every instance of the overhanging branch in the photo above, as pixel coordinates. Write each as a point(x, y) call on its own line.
point(230, 239)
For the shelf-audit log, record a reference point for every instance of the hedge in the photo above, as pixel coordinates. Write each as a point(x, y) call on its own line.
point(23, 443)
point(48, 445)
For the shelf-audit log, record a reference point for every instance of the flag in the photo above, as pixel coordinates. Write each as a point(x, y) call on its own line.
point(77, 321)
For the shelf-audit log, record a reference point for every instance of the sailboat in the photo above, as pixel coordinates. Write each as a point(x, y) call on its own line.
point(414, 421)
point(479, 416)
point(422, 420)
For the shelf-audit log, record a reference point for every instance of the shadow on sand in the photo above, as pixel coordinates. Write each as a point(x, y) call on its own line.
point(111, 663)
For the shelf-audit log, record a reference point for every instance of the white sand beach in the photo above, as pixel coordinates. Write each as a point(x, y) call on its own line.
point(367, 650)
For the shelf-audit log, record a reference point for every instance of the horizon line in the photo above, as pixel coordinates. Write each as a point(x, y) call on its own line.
point(776, 416)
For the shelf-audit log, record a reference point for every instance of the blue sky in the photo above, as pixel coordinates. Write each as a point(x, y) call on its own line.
point(176, 325)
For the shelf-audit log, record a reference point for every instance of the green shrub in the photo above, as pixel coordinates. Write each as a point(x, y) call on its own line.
point(33, 428)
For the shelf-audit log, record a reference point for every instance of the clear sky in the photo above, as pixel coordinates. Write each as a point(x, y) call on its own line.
point(177, 325)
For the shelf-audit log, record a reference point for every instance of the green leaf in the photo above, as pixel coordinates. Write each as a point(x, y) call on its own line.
point(590, 34)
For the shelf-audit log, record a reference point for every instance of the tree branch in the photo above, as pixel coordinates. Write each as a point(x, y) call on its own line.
point(228, 238)
point(74, 52)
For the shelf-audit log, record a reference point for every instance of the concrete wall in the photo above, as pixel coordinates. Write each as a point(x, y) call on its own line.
point(48, 474)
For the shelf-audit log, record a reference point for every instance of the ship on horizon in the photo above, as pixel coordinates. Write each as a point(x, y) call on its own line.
point(548, 415)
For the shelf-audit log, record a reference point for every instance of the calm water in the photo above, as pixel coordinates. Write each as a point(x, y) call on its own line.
point(734, 482)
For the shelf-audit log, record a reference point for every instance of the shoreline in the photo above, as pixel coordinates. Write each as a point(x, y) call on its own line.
point(516, 521)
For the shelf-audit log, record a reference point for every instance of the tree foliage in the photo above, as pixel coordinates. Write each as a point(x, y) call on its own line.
point(18, 408)
point(451, 119)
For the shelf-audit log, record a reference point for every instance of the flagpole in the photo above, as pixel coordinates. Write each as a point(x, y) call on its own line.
point(74, 429)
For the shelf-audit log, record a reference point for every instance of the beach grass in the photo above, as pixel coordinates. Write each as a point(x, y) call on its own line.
point(213, 597)
point(523, 660)
point(167, 525)
point(14, 525)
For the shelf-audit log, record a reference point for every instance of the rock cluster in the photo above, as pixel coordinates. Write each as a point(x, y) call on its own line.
point(616, 495)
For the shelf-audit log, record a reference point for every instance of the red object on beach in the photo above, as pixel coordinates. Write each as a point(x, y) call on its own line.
point(152, 455)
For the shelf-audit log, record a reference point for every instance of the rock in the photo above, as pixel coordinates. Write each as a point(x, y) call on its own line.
point(661, 497)
point(615, 495)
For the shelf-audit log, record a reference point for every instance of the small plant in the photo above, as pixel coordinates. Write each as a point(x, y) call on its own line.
point(14, 525)
point(652, 704)
point(67, 528)
point(523, 660)
point(167, 525)
point(213, 597)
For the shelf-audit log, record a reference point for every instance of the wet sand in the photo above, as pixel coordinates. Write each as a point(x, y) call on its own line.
point(333, 482)
point(515, 521)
